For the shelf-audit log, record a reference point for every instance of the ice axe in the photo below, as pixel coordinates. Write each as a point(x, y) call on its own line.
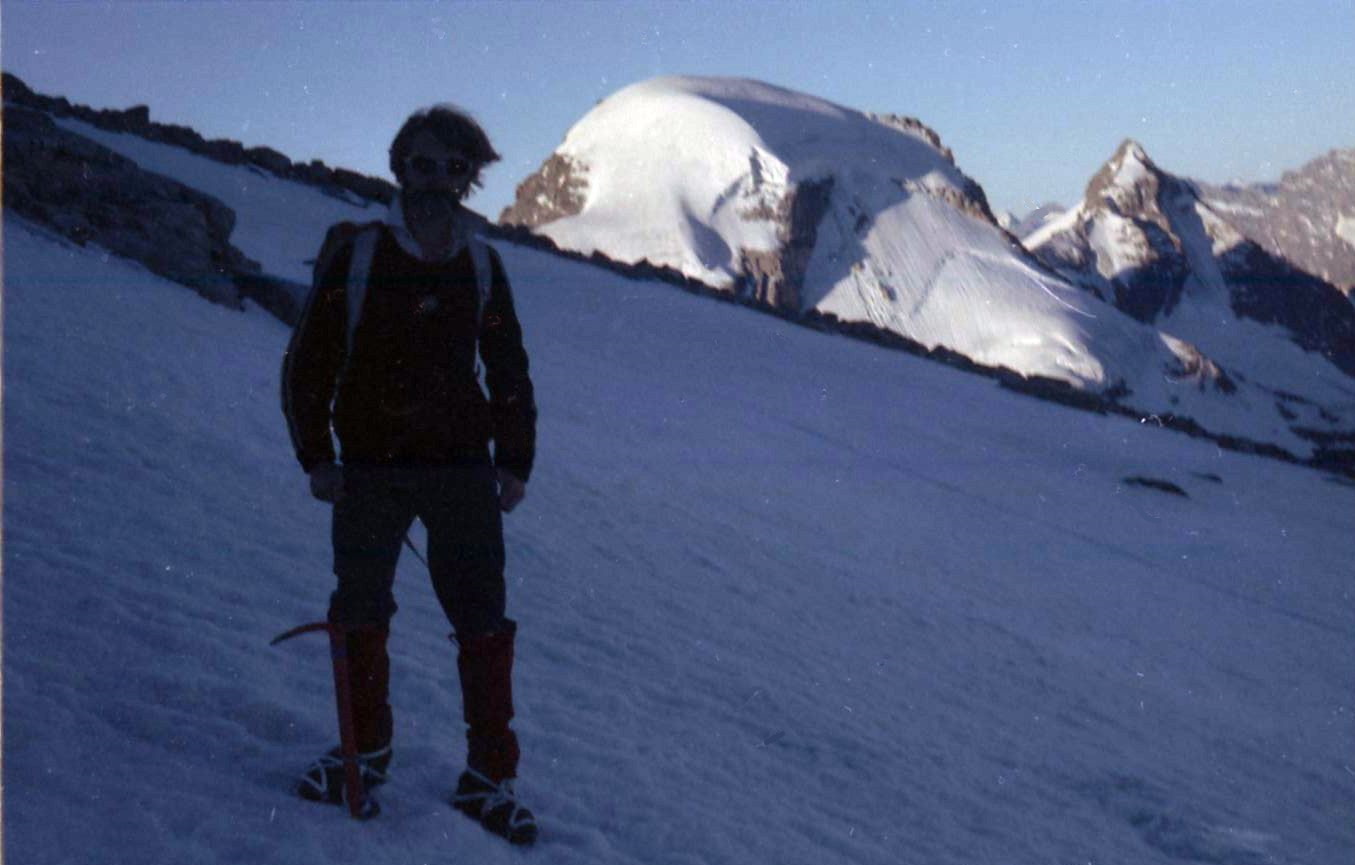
point(360, 805)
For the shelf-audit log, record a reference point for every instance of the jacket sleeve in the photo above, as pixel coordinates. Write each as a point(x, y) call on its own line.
point(310, 368)
point(512, 400)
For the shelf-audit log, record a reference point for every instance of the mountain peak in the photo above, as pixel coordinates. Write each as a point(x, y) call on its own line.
point(728, 179)
point(1128, 183)
point(1130, 149)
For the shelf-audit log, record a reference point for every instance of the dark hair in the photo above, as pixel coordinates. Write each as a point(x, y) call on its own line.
point(452, 126)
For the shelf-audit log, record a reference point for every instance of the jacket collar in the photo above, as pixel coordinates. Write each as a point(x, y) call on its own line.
point(395, 221)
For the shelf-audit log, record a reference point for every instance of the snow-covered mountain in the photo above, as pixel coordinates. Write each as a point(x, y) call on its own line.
point(807, 205)
point(784, 597)
point(1146, 241)
point(1024, 226)
point(1307, 218)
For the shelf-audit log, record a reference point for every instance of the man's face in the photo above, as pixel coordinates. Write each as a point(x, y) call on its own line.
point(435, 177)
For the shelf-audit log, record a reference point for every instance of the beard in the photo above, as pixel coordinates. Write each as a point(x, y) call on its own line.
point(431, 206)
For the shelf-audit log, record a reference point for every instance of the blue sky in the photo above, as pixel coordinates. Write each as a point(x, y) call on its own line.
point(1032, 97)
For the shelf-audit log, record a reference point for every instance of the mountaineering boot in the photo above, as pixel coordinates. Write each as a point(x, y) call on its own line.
point(494, 806)
point(369, 689)
point(323, 780)
point(484, 791)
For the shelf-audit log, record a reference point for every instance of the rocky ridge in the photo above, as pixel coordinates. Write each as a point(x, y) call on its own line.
point(1307, 218)
point(89, 194)
point(136, 120)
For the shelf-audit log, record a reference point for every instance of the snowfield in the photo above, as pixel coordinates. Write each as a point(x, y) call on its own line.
point(784, 598)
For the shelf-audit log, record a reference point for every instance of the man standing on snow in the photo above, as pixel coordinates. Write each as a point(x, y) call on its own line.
point(387, 350)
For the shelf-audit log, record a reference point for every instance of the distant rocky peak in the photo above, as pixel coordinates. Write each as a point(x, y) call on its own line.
point(1146, 240)
point(1132, 151)
point(1130, 185)
point(1306, 218)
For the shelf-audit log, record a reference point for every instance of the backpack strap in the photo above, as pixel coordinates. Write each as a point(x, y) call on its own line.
point(359, 269)
point(484, 276)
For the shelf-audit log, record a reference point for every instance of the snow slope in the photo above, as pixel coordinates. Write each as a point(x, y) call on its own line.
point(784, 597)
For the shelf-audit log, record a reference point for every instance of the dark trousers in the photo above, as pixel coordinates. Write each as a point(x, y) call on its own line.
point(458, 505)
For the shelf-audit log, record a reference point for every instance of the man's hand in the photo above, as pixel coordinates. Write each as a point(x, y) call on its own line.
point(327, 482)
point(511, 490)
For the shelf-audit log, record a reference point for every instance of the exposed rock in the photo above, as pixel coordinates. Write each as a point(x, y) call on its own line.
point(267, 157)
point(1196, 368)
point(915, 127)
point(137, 120)
point(169, 133)
point(1146, 277)
point(223, 150)
point(317, 172)
point(1307, 218)
point(1156, 484)
point(970, 200)
point(776, 277)
point(90, 194)
point(15, 90)
point(1129, 185)
point(1273, 291)
point(371, 188)
point(557, 189)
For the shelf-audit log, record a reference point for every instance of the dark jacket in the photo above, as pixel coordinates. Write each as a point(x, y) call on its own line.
point(409, 393)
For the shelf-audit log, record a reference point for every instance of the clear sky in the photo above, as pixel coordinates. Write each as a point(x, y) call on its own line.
point(1032, 97)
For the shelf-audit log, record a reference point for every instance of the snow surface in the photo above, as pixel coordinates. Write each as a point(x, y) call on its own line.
point(784, 597)
point(1060, 224)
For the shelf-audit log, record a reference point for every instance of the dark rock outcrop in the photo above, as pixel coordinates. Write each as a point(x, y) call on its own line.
point(913, 126)
point(136, 120)
point(90, 194)
point(270, 159)
point(776, 277)
point(557, 189)
point(1273, 291)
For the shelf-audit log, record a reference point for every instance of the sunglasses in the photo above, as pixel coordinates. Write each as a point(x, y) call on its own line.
point(452, 166)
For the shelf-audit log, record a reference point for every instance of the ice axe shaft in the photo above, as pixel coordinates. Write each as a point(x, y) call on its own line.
point(360, 806)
